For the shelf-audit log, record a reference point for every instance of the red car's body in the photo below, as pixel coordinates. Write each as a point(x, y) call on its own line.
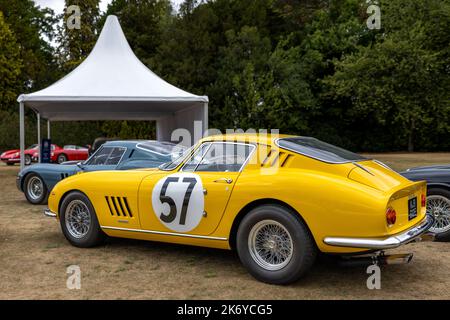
point(69, 153)
point(11, 157)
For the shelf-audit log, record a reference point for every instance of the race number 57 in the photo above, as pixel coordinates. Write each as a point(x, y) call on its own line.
point(178, 201)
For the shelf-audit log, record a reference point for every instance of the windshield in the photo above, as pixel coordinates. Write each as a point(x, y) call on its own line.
point(319, 150)
point(177, 159)
point(161, 148)
point(33, 146)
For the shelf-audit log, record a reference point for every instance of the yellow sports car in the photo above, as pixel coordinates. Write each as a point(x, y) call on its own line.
point(277, 200)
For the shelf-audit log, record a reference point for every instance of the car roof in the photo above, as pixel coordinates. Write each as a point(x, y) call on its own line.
point(247, 137)
point(130, 143)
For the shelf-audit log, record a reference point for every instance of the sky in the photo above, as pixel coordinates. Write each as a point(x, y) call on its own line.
point(58, 5)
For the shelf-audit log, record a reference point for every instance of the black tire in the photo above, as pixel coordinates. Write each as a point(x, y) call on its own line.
point(27, 159)
point(32, 195)
point(304, 250)
point(10, 163)
point(443, 236)
point(94, 235)
point(61, 158)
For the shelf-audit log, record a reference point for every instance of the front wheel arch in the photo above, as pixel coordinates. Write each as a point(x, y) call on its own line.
point(61, 200)
point(256, 203)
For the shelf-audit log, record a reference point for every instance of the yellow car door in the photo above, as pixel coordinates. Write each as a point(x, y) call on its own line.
point(193, 199)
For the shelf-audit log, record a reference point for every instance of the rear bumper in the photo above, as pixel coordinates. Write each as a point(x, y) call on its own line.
point(49, 213)
point(388, 243)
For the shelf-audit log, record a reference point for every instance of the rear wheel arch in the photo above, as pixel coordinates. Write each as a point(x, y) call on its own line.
point(254, 204)
point(433, 186)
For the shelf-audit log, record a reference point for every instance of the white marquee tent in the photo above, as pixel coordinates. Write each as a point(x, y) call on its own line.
point(112, 84)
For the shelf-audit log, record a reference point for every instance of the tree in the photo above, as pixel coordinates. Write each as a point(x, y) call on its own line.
point(74, 45)
point(394, 83)
point(31, 25)
point(10, 66)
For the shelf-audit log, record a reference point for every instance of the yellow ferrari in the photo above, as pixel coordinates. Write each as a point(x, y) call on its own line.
point(276, 200)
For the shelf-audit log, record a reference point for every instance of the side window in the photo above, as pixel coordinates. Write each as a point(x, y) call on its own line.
point(138, 154)
point(100, 157)
point(115, 156)
point(225, 157)
point(195, 159)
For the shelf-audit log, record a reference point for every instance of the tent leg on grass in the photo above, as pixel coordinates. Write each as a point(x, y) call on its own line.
point(48, 129)
point(22, 135)
point(39, 136)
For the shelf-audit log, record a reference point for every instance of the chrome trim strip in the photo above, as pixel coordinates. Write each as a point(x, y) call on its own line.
point(164, 233)
point(388, 243)
point(49, 213)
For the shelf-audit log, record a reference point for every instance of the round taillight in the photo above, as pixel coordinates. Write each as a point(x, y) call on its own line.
point(391, 216)
point(424, 200)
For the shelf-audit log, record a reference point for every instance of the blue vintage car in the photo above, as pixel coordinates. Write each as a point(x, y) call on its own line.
point(38, 180)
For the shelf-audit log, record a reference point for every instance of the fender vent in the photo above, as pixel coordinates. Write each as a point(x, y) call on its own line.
point(64, 175)
point(118, 206)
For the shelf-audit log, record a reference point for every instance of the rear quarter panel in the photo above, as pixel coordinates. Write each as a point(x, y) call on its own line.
point(329, 204)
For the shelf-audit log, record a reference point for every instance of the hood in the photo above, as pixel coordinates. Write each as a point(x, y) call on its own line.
point(9, 152)
point(50, 167)
point(376, 175)
point(434, 167)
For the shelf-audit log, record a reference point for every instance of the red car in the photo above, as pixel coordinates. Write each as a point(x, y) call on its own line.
point(11, 157)
point(69, 153)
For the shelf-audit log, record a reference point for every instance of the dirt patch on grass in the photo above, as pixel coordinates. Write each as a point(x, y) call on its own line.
point(34, 256)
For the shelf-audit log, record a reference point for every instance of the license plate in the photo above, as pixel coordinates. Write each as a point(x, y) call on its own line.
point(412, 208)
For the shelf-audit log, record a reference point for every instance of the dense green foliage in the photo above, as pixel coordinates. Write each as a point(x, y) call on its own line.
point(309, 67)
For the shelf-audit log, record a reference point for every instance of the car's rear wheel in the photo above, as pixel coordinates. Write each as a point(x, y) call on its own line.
point(27, 159)
point(79, 221)
point(35, 189)
point(438, 205)
point(274, 245)
point(61, 158)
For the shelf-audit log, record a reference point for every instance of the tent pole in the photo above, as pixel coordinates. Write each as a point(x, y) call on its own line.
point(39, 136)
point(48, 129)
point(205, 120)
point(22, 135)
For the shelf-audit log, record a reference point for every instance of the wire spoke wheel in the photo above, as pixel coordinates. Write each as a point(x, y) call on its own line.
point(439, 207)
point(270, 245)
point(77, 219)
point(35, 188)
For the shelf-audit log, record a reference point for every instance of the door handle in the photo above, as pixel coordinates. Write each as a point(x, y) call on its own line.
point(224, 180)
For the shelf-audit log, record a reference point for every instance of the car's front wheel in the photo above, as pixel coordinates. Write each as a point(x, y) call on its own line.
point(438, 205)
point(275, 245)
point(27, 159)
point(35, 189)
point(79, 222)
point(61, 158)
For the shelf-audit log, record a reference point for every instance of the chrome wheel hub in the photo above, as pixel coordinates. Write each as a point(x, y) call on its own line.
point(77, 219)
point(270, 245)
point(35, 188)
point(439, 207)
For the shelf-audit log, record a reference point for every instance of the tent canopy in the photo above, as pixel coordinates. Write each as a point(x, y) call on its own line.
point(112, 84)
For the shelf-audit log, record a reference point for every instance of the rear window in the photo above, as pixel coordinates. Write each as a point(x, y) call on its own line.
point(318, 150)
